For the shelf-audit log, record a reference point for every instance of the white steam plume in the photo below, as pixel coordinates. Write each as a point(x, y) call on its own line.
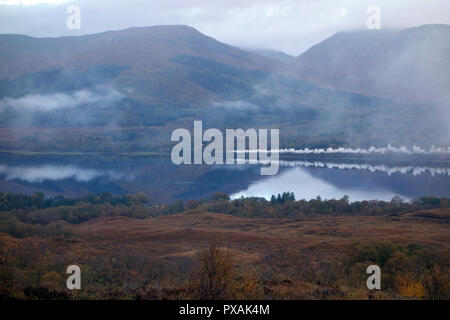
point(371, 150)
point(414, 150)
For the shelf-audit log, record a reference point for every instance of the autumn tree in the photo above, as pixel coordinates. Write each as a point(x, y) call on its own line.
point(409, 287)
point(215, 276)
point(7, 282)
point(437, 284)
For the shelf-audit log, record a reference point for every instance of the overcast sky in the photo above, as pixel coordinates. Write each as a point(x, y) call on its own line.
point(291, 26)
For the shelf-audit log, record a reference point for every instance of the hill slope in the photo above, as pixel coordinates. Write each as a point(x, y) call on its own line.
point(160, 63)
point(166, 76)
point(410, 64)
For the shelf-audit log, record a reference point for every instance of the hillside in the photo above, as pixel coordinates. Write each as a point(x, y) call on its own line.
point(412, 64)
point(163, 77)
point(130, 250)
point(159, 63)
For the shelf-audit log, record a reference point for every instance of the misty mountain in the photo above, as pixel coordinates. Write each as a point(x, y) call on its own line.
point(151, 76)
point(408, 65)
point(160, 64)
point(151, 80)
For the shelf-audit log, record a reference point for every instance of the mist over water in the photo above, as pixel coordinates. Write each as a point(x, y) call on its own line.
point(39, 174)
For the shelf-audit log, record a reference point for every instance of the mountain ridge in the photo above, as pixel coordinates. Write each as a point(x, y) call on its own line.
point(145, 40)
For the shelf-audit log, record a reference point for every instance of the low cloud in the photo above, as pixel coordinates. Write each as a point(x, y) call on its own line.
point(236, 105)
point(57, 101)
point(54, 173)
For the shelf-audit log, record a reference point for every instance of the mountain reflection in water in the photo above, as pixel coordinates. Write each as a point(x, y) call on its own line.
point(163, 181)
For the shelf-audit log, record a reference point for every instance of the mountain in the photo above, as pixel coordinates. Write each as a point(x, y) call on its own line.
point(159, 64)
point(148, 76)
point(412, 64)
point(145, 82)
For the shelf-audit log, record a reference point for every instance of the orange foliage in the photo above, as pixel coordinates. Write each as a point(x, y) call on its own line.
point(408, 287)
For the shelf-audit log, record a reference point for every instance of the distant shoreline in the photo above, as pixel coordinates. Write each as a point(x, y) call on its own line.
point(79, 153)
point(420, 159)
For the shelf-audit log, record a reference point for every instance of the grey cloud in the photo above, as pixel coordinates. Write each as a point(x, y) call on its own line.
point(56, 101)
point(236, 105)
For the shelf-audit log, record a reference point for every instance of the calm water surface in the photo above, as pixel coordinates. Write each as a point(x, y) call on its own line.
point(164, 182)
